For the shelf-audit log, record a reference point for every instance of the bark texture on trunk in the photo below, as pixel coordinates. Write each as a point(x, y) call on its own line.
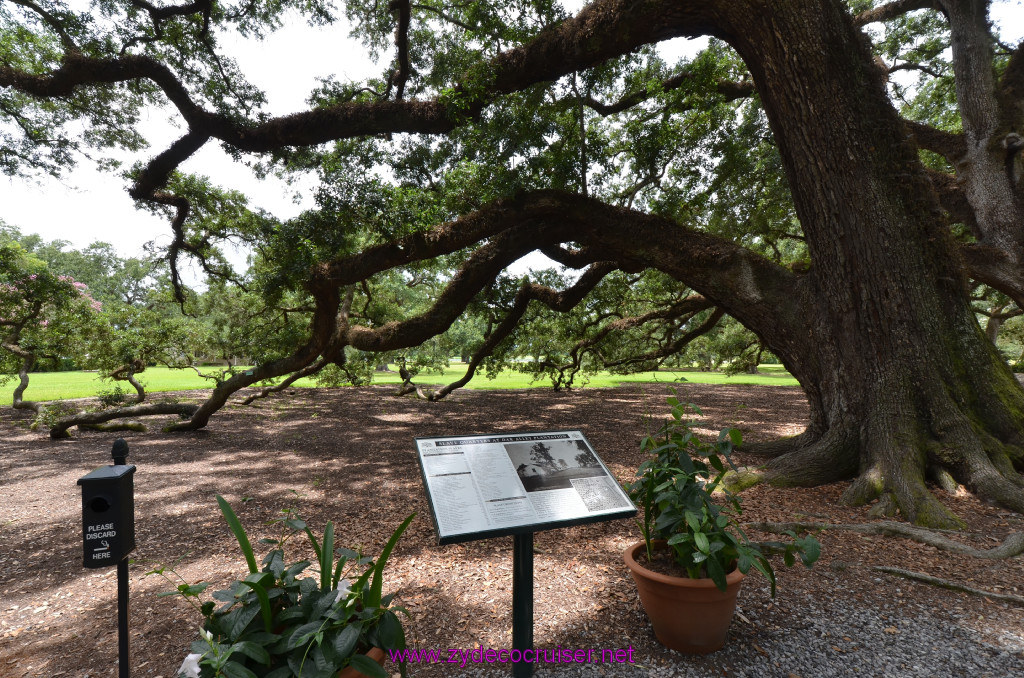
point(986, 193)
point(901, 380)
point(982, 168)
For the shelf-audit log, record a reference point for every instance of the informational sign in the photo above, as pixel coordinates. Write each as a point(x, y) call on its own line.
point(498, 484)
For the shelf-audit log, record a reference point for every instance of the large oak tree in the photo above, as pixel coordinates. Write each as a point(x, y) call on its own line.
point(873, 316)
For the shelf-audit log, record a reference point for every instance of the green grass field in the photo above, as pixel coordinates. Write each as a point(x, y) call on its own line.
point(60, 385)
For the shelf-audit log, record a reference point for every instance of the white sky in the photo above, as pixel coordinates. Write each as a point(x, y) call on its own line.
point(85, 205)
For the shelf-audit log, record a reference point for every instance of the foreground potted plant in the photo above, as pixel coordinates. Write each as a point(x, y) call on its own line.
point(693, 556)
point(272, 623)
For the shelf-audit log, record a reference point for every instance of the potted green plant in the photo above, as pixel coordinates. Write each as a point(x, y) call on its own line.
point(273, 623)
point(694, 554)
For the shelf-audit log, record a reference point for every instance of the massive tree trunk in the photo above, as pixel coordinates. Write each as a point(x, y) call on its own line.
point(900, 378)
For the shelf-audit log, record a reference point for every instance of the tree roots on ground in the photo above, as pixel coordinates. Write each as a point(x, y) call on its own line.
point(950, 585)
point(1011, 547)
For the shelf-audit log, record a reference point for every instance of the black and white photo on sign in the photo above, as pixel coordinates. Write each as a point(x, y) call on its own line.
point(552, 464)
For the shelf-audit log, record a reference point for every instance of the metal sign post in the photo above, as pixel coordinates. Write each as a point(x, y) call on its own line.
point(123, 653)
point(522, 600)
point(108, 532)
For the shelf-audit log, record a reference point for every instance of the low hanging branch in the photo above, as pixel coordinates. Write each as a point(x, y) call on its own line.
point(681, 312)
point(511, 228)
point(1012, 546)
point(92, 419)
point(28, 360)
point(334, 353)
point(479, 271)
point(311, 369)
point(323, 329)
point(408, 387)
point(951, 585)
point(527, 293)
point(127, 373)
point(696, 304)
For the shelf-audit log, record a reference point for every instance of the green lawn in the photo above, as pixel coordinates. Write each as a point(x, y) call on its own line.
point(57, 385)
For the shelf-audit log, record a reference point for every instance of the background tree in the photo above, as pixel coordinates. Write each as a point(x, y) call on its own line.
point(43, 315)
point(48, 315)
point(497, 130)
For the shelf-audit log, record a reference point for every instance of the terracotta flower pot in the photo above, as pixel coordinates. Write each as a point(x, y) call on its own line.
point(375, 653)
point(688, 615)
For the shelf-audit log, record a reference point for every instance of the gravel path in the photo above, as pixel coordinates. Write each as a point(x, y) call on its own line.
point(853, 641)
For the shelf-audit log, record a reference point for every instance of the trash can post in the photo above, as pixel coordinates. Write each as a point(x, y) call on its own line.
point(108, 532)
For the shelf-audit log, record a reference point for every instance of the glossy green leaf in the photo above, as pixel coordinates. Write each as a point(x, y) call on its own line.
point(701, 540)
point(345, 644)
point(237, 620)
point(255, 582)
point(717, 574)
point(233, 669)
point(253, 651)
point(367, 666)
point(304, 634)
point(390, 632)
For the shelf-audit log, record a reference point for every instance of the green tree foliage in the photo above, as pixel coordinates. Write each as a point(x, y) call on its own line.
point(802, 188)
point(43, 315)
point(116, 324)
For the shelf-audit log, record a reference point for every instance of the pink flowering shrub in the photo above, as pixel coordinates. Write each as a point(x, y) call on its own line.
point(41, 313)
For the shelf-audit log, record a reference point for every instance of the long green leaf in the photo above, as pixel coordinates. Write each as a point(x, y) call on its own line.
point(316, 544)
point(233, 669)
point(390, 632)
point(254, 581)
point(337, 572)
point(253, 651)
point(235, 622)
point(765, 568)
point(239, 531)
point(327, 558)
point(346, 641)
point(304, 634)
point(701, 540)
point(378, 570)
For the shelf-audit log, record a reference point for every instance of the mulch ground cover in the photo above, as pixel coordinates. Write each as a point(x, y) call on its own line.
point(347, 455)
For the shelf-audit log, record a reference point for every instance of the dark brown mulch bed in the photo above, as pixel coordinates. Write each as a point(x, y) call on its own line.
point(348, 455)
